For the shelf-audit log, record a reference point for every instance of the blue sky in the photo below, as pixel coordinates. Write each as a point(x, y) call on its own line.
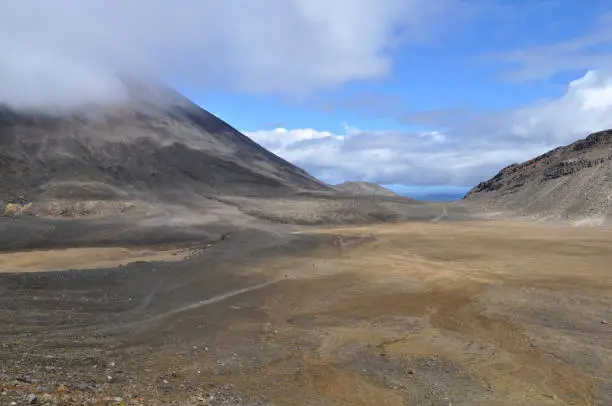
point(449, 70)
point(461, 70)
point(428, 96)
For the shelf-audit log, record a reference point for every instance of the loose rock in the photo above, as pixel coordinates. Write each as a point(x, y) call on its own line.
point(82, 386)
point(61, 389)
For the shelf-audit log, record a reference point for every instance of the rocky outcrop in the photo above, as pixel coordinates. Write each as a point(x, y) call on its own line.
point(573, 182)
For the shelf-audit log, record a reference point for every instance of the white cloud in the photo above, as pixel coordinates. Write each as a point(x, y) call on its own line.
point(470, 152)
point(391, 157)
point(280, 138)
point(585, 107)
point(388, 157)
point(36, 79)
point(56, 51)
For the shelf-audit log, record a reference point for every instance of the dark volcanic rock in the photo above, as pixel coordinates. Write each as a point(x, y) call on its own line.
point(570, 182)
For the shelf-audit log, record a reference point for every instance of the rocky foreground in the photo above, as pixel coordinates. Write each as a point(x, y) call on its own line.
point(421, 313)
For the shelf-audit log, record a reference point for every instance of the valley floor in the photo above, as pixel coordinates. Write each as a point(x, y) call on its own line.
point(418, 313)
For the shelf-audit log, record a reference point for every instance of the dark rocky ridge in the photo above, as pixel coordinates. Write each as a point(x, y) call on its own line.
point(570, 182)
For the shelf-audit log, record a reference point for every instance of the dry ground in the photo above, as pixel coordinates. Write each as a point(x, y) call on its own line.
point(84, 258)
point(421, 313)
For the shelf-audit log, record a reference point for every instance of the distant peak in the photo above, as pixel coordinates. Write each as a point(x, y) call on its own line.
point(363, 188)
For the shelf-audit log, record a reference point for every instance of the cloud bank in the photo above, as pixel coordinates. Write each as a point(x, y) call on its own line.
point(68, 50)
point(474, 150)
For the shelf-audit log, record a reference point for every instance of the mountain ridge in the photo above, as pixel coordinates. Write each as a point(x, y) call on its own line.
point(156, 169)
point(138, 147)
point(572, 182)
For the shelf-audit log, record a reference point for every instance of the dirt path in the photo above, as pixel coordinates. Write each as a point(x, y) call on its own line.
point(442, 215)
point(214, 299)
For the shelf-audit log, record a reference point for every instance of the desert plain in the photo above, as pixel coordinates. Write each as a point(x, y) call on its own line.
point(471, 312)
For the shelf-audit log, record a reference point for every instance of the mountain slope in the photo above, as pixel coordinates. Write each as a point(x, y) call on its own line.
point(364, 189)
point(155, 145)
point(573, 182)
point(156, 169)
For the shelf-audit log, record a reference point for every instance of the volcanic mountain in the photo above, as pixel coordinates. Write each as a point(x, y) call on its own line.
point(157, 169)
point(573, 182)
point(155, 145)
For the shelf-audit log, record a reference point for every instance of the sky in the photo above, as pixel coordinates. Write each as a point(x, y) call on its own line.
point(428, 97)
